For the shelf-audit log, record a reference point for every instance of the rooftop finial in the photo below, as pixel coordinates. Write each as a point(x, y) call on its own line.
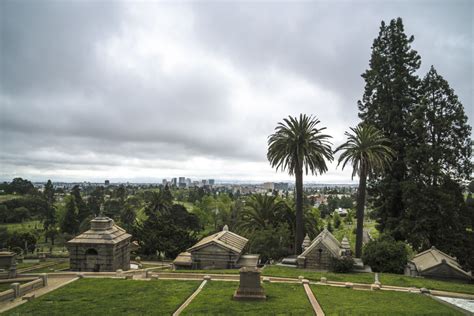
point(225, 228)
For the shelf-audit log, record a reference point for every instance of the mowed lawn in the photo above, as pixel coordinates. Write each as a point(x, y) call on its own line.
point(342, 301)
point(111, 297)
point(385, 278)
point(282, 299)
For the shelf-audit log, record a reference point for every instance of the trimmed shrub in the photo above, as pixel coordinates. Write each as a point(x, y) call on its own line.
point(386, 255)
point(342, 265)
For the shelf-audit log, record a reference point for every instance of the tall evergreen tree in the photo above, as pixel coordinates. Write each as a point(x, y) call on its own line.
point(441, 139)
point(390, 95)
point(438, 158)
point(70, 223)
point(83, 211)
point(49, 218)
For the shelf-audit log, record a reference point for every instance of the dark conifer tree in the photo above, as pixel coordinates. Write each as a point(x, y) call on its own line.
point(70, 222)
point(391, 93)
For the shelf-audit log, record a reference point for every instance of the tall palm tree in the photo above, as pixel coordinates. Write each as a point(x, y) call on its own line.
point(298, 144)
point(368, 151)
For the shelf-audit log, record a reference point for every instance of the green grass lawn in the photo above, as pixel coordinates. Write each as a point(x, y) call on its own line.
point(111, 297)
point(342, 301)
point(24, 265)
point(6, 197)
point(215, 271)
point(58, 266)
point(385, 279)
point(23, 227)
point(216, 299)
point(4, 286)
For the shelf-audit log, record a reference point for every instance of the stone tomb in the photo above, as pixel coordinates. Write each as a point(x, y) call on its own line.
point(7, 265)
point(250, 287)
point(104, 247)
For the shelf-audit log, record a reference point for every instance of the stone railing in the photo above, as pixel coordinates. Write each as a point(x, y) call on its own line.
point(7, 295)
point(18, 290)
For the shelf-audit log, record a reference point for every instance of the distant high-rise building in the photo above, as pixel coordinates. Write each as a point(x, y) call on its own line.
point(174, 182)
point(204, 182)
point(164, 182)
point(188, 182)
point(107, 182)
point(182, 180)
point(211, 181)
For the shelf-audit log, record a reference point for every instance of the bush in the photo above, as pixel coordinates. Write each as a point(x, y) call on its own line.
point(342, 265)
point(386, 255)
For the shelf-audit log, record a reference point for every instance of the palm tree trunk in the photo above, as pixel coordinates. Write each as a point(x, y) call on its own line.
point(360, 211)
point(299, 235)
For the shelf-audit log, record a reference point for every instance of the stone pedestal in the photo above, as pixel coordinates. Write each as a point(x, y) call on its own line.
point(250, 287)
point(8, 264)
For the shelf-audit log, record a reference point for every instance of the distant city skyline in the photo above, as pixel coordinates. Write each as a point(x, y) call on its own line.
point(141, 91)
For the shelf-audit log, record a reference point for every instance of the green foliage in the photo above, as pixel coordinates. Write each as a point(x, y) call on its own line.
point(418, 198)
point(24, 240)
point(336, 218)
point(341, 265)
point(70, 223)
point(169, 228)
point(329, 226)
point(95, 200)
point(386, 255)
point(270, 242)
point(82, 209)
point(390, 95)
point(20, 186)
point(368, 151)
point(298, 145)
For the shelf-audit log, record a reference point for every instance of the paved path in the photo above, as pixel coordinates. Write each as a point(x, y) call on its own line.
point(312, 299)
point(53, 284)
point(190, 299)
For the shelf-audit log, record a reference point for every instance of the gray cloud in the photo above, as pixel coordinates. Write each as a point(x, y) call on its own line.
point(148, 90)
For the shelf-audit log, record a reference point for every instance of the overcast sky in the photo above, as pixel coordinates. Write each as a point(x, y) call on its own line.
point(140, 91)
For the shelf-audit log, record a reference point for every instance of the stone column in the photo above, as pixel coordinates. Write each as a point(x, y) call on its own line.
point(16, 289)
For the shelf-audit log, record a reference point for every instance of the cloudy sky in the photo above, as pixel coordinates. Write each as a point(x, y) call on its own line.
point(138, 91)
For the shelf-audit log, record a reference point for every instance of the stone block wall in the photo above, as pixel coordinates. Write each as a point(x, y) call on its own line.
point(214, 257)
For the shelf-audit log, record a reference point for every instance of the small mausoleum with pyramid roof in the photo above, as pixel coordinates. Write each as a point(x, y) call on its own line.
point(317, 254)
point(104, 247)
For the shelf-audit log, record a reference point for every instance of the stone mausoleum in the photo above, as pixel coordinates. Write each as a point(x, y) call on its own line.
point(104, 247)
point(433, 263)
point(317, 254)
point(222, 250)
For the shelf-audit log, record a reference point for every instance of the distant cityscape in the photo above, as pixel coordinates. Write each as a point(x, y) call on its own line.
point(240, 187)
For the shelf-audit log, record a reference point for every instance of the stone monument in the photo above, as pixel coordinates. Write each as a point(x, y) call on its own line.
point(104, 247)
point(249, 286)
point(7, 265)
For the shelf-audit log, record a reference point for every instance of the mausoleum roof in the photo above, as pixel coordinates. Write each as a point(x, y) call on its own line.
point(433, 257)
point(103, 231)
point(225, 238)
point(326, 238)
